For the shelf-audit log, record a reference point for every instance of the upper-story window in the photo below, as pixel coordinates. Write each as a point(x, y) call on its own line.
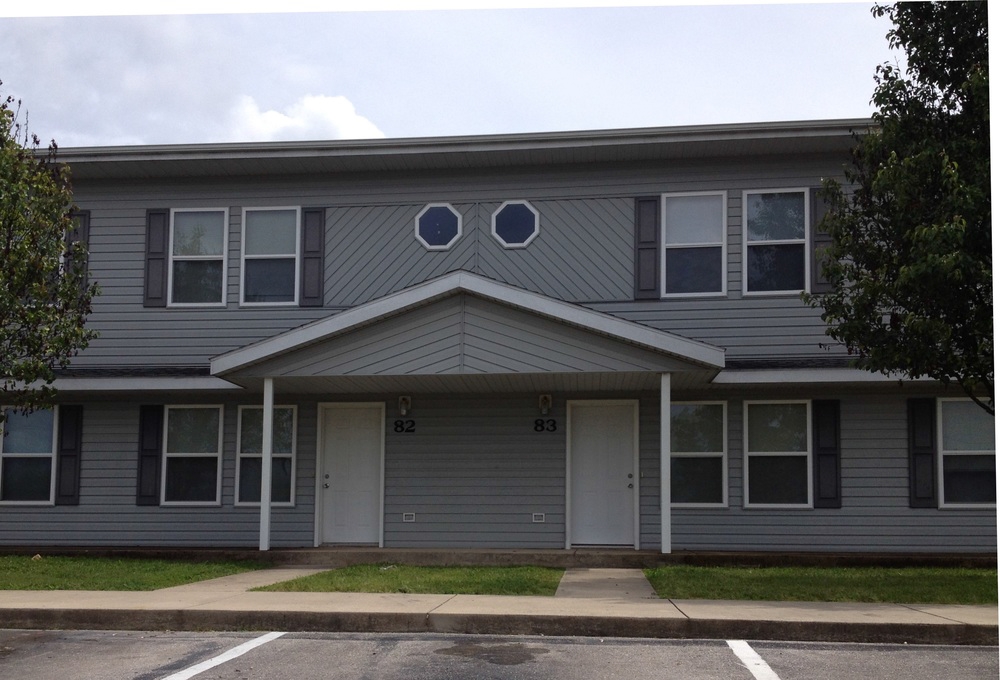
point(774, 238)
point(515, 224)
point(197, 256)
point(270, 256)
point(967, 459)
point(693, 244)
point(438, 226)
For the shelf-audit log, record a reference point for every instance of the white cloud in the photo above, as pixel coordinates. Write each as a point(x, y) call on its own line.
point(312, 117)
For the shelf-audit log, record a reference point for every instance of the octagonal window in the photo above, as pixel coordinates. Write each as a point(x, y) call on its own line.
point(515, 224)
point(438, 226)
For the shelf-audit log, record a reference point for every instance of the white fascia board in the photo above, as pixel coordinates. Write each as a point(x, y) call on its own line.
point(458, 282)
point(138, 384)
point(778, 376)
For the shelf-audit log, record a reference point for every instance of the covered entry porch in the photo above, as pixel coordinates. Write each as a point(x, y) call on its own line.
point(466, 413)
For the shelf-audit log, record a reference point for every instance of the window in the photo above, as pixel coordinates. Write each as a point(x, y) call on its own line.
point(694, 243)
point(515, 224)
point(774, 241)
point(967, 461)
point(438, 226)
point(778, 463)
point(192, 459)
point(27, 457)
point(249, 448)
point(197, 257)
point(270, 256)
point(698, 454)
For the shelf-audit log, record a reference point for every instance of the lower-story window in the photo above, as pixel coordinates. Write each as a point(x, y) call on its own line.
point(698, 454)
point(777, 442)
point(967, 460)
point(192, 455)
point(27, 457)
point(249, 446)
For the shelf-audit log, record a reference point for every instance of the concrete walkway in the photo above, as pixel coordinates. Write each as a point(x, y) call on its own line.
point(595, 602)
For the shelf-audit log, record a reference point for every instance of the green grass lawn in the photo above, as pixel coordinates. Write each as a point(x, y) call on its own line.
point(909, 585)
point(98, 573)
point(374, 578)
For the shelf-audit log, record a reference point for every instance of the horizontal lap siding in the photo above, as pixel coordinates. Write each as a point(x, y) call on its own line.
point(107, 514)
point(473, 473)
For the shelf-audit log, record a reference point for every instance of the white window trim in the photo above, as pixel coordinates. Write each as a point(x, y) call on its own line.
point(804, 241)
point(52, 462)
point(240, 456)
point(224, 256)
point(723, 455)
point(416, 226)
point(244, 257)
point(514, 246)
point(808, 453)
point(939, 463)
point(664, 245)
point(166, 456)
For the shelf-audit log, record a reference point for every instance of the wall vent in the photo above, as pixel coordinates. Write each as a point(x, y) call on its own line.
point(409, 517)
point(538, 517)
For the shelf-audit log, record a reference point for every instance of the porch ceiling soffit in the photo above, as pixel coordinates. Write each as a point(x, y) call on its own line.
point(465, 324)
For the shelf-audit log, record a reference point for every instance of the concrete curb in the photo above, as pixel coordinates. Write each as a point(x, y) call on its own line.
point(499, 624)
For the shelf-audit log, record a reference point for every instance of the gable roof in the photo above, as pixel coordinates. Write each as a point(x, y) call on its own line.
point(278, 353)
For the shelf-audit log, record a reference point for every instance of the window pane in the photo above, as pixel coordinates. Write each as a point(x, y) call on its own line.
point(26, 479)
point(696, 480)
point(692, 219)
point(28, 433)
point(970, 479)
point(777, 427)
point(199, 232)
point(693, 270)
point(778, 479)
point(192, 430)
point(438, 226)
point(281, 480)
point(197, 281)
point(270, 232)
point(516, 223)
point(269, 280)
point(776, 267)
point(696, 428)
point(191, 479)
point(966, 427)
point(773, 217)
point(252, 429)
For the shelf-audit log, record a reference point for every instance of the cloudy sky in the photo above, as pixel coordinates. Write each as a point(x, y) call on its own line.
point(345, 74)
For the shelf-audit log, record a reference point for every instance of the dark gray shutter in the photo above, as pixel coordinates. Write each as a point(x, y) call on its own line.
point(68, 450)
point(820, 242)
point(826, 453)
point(150, 446)
point(157, 260)
point(647, 248)
point(313, 251)
point(921, 417)
point(80, 233)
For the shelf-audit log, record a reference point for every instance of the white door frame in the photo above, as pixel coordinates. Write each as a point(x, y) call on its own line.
point(635, 461)
point(321, 410)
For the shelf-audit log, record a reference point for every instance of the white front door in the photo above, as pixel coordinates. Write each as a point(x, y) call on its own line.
point(350, 473)
point(603, 462)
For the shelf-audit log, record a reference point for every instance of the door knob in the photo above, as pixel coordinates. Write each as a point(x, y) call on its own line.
point(630, 486)
point(326, 486)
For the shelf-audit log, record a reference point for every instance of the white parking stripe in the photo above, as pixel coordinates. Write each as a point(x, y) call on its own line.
point(224, 657)
point(751, 659)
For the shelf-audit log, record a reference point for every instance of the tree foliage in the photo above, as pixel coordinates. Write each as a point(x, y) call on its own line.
point(910, 263)
point(44, 295)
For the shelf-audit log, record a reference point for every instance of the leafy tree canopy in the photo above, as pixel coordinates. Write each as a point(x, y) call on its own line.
point(910, 263)
point(44, 295)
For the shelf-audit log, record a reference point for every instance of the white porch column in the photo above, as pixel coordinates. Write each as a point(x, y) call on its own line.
point(265, 465)
point(665, 546)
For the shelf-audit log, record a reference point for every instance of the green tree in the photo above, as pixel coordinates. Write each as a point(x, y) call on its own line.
point(44, 294)
point(910, 263)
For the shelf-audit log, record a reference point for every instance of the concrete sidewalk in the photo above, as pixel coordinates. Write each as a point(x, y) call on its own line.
point(591, 602)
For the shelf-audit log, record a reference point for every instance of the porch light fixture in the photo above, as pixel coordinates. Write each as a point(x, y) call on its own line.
point(404, 405)
point(545, 404)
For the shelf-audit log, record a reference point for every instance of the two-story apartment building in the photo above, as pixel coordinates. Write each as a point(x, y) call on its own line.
point(513, 341)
